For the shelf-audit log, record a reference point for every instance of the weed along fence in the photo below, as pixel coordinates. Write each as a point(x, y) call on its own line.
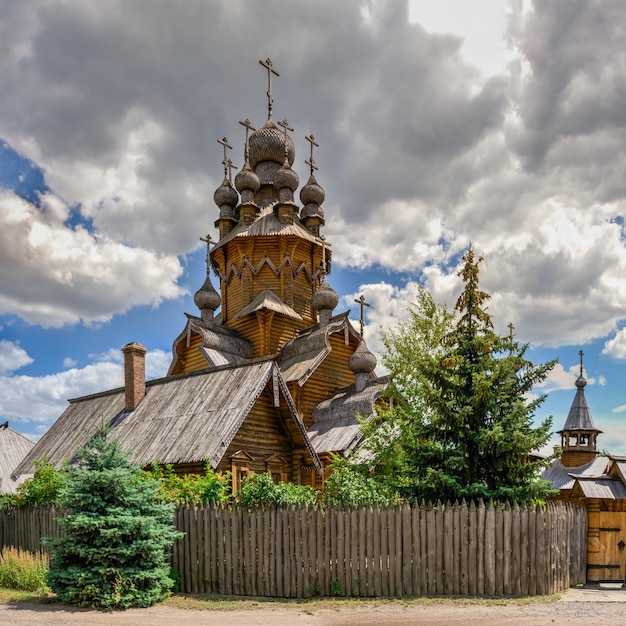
point(451, 549)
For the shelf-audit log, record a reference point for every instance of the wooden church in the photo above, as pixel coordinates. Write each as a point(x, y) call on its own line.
point(265, 376)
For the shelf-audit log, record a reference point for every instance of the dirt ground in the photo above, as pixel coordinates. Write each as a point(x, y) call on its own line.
point(574, 607)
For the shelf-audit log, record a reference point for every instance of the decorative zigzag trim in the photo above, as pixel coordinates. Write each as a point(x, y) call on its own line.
point(237, 271)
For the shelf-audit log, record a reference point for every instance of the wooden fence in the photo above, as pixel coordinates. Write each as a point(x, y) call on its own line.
point(451, 549)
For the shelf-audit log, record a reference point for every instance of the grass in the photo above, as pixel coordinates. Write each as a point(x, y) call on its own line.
point(23, 571)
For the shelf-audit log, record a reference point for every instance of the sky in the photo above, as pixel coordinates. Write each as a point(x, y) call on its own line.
point(440, 124)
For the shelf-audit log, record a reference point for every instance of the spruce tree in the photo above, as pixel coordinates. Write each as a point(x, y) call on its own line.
point(113, 554)
point(464, 416)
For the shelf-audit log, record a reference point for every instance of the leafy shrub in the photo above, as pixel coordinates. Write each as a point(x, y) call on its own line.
point(43, 488)
point(21, 570)
point(349, 485)
point(117, 531)
point(260, 490)
point(210, 488)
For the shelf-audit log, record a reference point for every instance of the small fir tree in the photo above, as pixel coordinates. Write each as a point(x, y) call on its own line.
point(116, 533)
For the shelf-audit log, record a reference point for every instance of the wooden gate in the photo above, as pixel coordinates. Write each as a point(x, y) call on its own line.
point(606, 546)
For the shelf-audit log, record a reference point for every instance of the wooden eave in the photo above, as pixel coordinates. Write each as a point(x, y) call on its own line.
point(301, 356)
point(269, 301)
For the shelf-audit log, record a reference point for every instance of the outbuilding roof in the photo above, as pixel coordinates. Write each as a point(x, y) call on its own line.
point(562, 477)
point(601, 487)
point(13, 448)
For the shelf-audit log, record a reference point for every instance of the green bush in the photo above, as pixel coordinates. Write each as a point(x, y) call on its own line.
point(260, 490)
point(209, 488)
point(21, 570)
point(116, 533)
point(349, 485)
point(43, 488)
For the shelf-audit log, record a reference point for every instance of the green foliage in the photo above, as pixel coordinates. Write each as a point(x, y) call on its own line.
point(260, 490)
point(210, 488)
point(43, 488)
point(116, 533)
point(350, 484)
point(335, 588)
point(21, 570)
point(462, 414)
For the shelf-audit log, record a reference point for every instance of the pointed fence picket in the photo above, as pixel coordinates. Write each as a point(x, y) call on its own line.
point(475, 549)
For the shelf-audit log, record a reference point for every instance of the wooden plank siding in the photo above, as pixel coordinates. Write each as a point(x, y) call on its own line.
point(332, 374)
point(287, 265)
point(394, 552)
point(262, 434)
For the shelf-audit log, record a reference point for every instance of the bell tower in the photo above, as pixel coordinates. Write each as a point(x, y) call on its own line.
point(579, 435)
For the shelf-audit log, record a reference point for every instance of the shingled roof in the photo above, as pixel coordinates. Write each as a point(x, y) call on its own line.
point(579, 417)
point(182, 419)
point(13, 448)
point(562, 477)
point(335, 425)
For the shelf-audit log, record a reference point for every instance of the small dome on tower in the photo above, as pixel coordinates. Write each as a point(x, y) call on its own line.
point(206, 297)
point(325, 297)
point(226, 194)
point(247, 179)
point(581, 382)
point(268, 144)
point(362, 360)
point(286, 178)
point(312, 192)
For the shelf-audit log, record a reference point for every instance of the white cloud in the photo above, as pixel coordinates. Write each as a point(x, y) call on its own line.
point(12, 356)
point(68, 362)
point(52, 274)
point(616, 346)
point(41, 399)
point(37, 401)
point(426, 144)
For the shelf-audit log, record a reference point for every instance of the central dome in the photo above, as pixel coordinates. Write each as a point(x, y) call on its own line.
point(268, 144)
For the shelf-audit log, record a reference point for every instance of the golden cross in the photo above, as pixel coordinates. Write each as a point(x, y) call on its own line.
point(267, 64)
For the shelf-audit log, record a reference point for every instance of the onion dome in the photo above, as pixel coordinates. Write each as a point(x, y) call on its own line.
point(362, 360)
point(312, 214)
point(325, 298)
point(247, 180)
point(225, 194)
point(206, 297)
point(581, 382)
point(287, 179)
point(312, 193)
point(268, 144)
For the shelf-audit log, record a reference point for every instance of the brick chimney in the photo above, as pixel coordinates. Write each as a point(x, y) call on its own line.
point(134, 373)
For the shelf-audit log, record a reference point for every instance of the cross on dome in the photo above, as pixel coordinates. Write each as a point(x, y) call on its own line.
point(267, 64)
point(286, 127)
point(361, 301)
point(248, 126)
point(227, 146)
point(311, 163)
